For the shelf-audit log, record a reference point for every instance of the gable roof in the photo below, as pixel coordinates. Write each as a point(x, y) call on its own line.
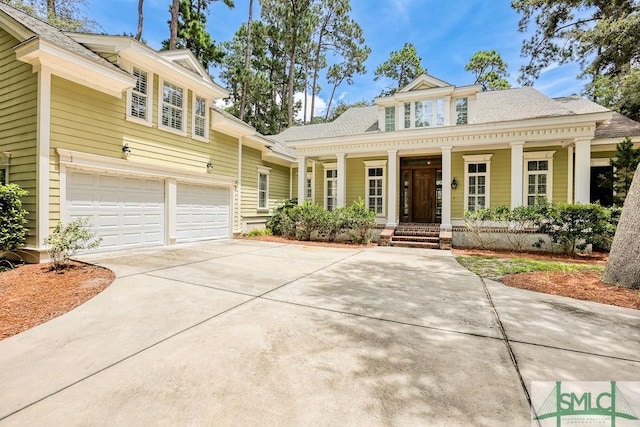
point(40, 29)
point(424, 81)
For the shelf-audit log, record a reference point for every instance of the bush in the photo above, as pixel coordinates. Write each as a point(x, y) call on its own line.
point(311, 217)
point(13, 221)
point(477, 223)
point(360, 221)
point(66, 240)
point(521, 219)
point(259, 232)
point(280, 214)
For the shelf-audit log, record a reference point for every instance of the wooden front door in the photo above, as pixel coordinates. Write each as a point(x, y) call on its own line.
point(423, 195)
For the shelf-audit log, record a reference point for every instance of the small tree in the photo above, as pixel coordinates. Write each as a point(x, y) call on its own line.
point(66, 240)
point(13, 218)
point(476, 223)
point(624, 166)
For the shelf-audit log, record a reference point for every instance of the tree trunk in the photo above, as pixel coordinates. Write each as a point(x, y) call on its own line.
point(316, 66)
point(247, 58)
point(140, 19)
point(623, 267)
point(51, 10)
point(173, 25)
point(333, 92)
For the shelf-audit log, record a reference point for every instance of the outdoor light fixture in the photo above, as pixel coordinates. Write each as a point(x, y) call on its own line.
point(209, 166)
point(454, 183)
point(126, 151)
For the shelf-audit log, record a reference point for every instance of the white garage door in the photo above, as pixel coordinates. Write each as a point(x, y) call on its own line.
point(203, 213)
point(127, 212)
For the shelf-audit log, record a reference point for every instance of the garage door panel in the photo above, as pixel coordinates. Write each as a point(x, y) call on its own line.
point(202, 213)
point(125, 211)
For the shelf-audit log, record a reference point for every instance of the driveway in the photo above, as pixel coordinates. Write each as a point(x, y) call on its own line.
point(255, 333)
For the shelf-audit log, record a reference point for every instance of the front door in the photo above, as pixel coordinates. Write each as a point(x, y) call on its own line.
point(420, 199)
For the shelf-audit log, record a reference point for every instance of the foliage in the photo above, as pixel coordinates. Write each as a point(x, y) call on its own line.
point(66, 15)
point(66, 240)
point(301, 222)
point(192, 34)
point(477, 223)
point(341, 107)
point(624, 166)
point(258, 232)
point(495, 267)
point(13, 218)
point(521, 219)
point(402, 67)
point(601, 35)
point(489, 70)
point(572, 227)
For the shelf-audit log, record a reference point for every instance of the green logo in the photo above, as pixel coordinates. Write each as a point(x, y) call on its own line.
point(582, 403)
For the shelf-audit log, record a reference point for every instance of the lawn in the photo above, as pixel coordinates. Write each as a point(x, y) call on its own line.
point(495, 267)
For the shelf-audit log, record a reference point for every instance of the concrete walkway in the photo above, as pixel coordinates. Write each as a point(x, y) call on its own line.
point(255, 333)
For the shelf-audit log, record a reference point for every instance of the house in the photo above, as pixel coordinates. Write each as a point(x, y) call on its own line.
point(105, 127)
point(432, 151)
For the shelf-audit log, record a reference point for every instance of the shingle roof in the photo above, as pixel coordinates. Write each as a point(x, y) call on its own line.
point(54, 36)
point(580, 105)
point(618, 126)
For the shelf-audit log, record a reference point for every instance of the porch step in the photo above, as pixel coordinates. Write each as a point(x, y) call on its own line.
point(417, 236)
point(424, 239)
point(421, 245)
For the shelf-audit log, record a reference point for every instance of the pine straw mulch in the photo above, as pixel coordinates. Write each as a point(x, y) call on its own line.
point(583, 285)
point(32, 294)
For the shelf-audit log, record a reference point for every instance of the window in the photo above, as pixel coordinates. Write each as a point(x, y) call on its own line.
point(424, 113)
point(3, 176)
point(476, 178)
point(4, 168)
point(331, 188)
point(439, 112)
point(172, 107)
point(407, 115)
point(375, 171)
point(139, 97)
point(537, 180)
point(200, 128)
point(263, 187)
point(389, 119)
point(462, 106)
point(309, 188)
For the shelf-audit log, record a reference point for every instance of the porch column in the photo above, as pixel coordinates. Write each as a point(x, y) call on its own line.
point(583, 171)
point(302, 178)
point(342, 180)
point(517, 149)
point(446, 188)
point(392, 189)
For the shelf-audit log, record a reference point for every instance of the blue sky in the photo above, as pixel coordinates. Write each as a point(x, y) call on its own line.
point(446, 34)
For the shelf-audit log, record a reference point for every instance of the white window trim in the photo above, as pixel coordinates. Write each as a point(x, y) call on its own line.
point(537, 155)
point(327, 167)
point(311, 178)
point(477, 158)
point(204, 138)
point(185, 112)
point(263, 170)
point(374, 164)
point(149, 120)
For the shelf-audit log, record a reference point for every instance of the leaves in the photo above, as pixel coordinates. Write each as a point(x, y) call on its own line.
point(402, 67)
point(489, 70)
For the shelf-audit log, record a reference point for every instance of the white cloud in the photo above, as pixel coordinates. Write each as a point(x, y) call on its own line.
point(342, 96)
point(319, 107)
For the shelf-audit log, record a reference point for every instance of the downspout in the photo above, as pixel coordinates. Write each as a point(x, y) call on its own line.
point(239, 201)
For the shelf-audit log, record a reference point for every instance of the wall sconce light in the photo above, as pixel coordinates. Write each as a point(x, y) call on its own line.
point(454, 183)
point(126, 151)
point(209, 166)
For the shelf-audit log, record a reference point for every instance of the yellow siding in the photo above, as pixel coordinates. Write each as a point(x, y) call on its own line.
point(18, 123)
point(457, 172)
point(278, 184)
point(603, 154)
point(319, 184)
point(355, 180)
point(500, 180)
point(89, 121)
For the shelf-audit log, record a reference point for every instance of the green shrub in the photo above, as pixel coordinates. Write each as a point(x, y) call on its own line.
point(359, 221)
point(66, 240)
point(13, 221)
point(476, 223)
point(280, 214)
point(521, 219)
point(311, 217)
point(259, 232)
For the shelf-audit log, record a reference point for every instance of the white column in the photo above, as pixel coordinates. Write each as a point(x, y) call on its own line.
point(239, 187)
point(171, 207)
point(42, 159)
point(302, 178)
point(583, 171)
point(446, 188)
point(392, 189)
point(517, 149)
point(342, 179)
point(570, 175)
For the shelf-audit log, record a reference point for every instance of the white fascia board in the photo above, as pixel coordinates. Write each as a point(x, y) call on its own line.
point(14, 28)
point(63, 63)
point(236, 128)
point(278, 158)
point(260, 139)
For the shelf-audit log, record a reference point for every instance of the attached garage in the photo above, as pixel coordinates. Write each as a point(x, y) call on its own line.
point(203, 213)
point(126, 211)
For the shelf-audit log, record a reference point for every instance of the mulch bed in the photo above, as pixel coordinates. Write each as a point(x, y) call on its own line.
point(32, 294)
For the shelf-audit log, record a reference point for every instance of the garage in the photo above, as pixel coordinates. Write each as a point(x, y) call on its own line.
point(126, 211)
point(203, 213)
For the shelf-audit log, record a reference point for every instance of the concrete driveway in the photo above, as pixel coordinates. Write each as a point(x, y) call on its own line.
point(255, 333)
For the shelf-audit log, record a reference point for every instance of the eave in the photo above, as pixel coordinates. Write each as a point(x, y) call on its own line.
point(40, 53)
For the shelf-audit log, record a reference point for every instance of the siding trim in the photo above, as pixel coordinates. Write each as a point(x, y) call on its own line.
point(42, 159)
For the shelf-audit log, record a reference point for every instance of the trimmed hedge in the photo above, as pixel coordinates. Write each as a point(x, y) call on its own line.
point(13, 218)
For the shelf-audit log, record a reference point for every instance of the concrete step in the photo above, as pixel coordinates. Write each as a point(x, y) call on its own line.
point(421, 245)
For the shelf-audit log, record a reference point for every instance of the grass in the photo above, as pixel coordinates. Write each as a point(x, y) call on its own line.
point(495, 267)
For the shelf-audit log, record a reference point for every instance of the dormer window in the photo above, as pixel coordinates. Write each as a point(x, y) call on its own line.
point(462, 108)
point(200, 118)
point(389, 119)
point(172, 115)
point(424, 113)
